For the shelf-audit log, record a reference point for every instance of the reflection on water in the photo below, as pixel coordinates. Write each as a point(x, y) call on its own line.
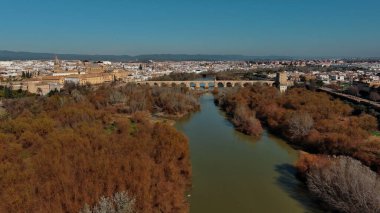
point(233, 172)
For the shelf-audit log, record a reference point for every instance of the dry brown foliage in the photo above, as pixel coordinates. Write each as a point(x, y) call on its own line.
point(311, 120)
point(58, 153)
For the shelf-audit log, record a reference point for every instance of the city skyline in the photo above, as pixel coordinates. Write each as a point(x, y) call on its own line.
point(250, 28)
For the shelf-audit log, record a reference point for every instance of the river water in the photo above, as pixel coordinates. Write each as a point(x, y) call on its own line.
point(233, 172)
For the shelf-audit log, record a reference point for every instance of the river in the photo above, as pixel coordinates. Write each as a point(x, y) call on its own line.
point(233, 172)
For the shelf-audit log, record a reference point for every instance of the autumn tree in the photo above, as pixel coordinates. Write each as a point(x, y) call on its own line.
point(314, 121)
point(76, 146)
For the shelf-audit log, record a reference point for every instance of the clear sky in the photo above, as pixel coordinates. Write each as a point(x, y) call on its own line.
point(249, 27)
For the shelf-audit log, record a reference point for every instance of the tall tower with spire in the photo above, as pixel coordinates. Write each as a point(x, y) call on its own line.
point(57, 64)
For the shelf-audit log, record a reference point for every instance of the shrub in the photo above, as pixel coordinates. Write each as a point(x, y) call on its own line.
point(246, 121)
point(345, 185)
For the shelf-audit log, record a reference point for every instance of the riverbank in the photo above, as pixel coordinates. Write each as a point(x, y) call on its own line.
point(233, 172)
point(310, 120)
point(314, 122)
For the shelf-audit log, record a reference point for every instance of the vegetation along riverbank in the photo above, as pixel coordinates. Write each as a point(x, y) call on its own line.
point(319, 124)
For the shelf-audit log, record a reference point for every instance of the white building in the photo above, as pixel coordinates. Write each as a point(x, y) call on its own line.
point(337, 77)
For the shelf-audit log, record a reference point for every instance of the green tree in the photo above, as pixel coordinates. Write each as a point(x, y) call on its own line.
point(8, 93)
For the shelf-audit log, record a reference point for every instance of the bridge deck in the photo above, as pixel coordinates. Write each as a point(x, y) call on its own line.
point(352, 98)
point(206, 83)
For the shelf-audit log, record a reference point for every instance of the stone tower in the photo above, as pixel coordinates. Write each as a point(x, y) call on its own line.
point(282, 81)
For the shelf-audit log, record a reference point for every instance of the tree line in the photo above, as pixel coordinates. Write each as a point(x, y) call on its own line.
point(313, 121)
point(7, 92)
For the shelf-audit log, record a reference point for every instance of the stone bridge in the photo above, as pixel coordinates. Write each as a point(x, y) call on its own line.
point(205, 84)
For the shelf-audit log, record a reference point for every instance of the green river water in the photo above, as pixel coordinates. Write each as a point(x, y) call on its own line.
point(233, 172)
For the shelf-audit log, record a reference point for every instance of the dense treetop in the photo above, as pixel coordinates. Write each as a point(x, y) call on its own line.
point(59, 152)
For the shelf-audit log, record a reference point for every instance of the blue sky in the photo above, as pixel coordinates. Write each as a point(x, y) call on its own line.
point(249, 27)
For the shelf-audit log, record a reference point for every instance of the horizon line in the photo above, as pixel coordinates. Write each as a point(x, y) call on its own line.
point(193, 54)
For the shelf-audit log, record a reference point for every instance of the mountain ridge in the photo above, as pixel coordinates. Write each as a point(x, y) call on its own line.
point(24, 55)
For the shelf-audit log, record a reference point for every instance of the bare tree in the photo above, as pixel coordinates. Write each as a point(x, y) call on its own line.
point(121, 202)
point(300, 124)
point(116, 97)
point(78, 97)
point(346, 185)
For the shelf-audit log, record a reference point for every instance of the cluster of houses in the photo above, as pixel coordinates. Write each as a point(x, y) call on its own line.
point(359, 83)
point(86, 73)
point(42, 77)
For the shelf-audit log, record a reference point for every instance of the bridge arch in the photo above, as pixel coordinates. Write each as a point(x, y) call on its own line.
point(192, 84)
point(203, 84)
point(247, 84)
point(220, 84)
point(229, 84)
point(256, 83)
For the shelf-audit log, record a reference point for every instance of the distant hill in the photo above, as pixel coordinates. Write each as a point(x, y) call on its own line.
point(12, 55)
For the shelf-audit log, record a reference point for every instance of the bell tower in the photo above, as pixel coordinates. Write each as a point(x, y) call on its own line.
point(57, 64)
